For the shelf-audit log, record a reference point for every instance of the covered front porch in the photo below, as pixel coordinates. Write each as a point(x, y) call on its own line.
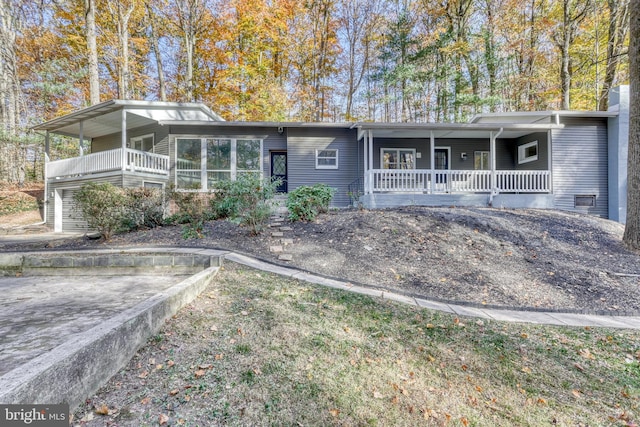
point(474, 164)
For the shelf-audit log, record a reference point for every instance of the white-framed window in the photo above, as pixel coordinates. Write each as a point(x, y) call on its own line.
point(481, 160)
point(397, 158)
point(327, 158)
point(203, 161)
point(142, 143)
point(528, 152)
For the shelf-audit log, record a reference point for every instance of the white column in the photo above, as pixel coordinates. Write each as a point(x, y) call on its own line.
point(432, 157)
point(123, 132)
point(492, 154)
point(81, 138)
point(371, 161)
point(365, 160)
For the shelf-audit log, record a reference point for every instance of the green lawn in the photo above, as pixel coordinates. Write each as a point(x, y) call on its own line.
point(258, 349)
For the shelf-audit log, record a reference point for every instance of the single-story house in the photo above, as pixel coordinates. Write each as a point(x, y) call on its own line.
point(568, 160)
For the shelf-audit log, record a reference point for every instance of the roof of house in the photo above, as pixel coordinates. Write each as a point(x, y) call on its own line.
point(108, 118)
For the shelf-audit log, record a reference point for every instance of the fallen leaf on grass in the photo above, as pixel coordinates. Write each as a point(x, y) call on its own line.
point(199, 373)
point(163, 419)
point(170, 363)
point(219, 356)
point(584, 352)
point(145, 401)
point(102, 410)
point(578, 367)
point(334, 412)
point(143, 374)
point(206, 366)
point(174, 392)
point(576, 393)
point(526, 370)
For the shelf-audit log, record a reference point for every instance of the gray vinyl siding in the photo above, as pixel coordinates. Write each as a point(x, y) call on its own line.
point(579, 164)
point(114, 140)
point(301, 159)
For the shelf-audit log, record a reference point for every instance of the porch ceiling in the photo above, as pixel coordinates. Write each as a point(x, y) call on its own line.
point(106, 118)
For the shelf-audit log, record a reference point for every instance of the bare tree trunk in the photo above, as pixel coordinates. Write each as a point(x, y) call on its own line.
point(573, 13)
point(122, 14)
point(92, 47)
point(9, 87)
point(156, 51)
point(632, 229)
point(189, 15)
point(618, 27)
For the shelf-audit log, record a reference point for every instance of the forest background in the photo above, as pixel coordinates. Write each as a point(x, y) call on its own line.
point(302, 60)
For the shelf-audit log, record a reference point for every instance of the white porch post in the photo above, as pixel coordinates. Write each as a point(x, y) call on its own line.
point(81, 138)
point(46, 175)
point(549, 162)
point(492, 152)
point(432, 158)
point(365, 146)
point(124, 138)
point(492, 148)
point(370, 152)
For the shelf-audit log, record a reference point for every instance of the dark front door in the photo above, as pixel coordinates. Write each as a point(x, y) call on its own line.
point(279, 169)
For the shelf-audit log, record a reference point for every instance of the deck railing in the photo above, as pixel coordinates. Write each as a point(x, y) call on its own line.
point(111, 160)
point(456, 181)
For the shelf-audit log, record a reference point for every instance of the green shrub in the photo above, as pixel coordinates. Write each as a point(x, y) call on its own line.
point(146, 207)
point(245, 200)
point(109, 209)
point(103, 206)
point(306, 202)
point(192, 211)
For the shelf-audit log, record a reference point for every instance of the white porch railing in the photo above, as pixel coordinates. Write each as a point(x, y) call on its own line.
point(111, 160)
point(456, 181)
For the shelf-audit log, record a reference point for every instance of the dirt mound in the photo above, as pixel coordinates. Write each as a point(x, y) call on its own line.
point(533, 259)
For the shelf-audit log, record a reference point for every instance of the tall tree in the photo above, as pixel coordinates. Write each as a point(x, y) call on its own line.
point(572, 14)
point(191, 20)
point(617, 33)
point(153, 21)
point(9, 84)
point(92, 48)
point(632, 229)
point(121, 11)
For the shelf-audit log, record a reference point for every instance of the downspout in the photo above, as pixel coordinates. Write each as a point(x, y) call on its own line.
point(492, 148)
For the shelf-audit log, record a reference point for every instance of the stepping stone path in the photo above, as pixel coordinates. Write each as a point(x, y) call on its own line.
point(278, 229)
